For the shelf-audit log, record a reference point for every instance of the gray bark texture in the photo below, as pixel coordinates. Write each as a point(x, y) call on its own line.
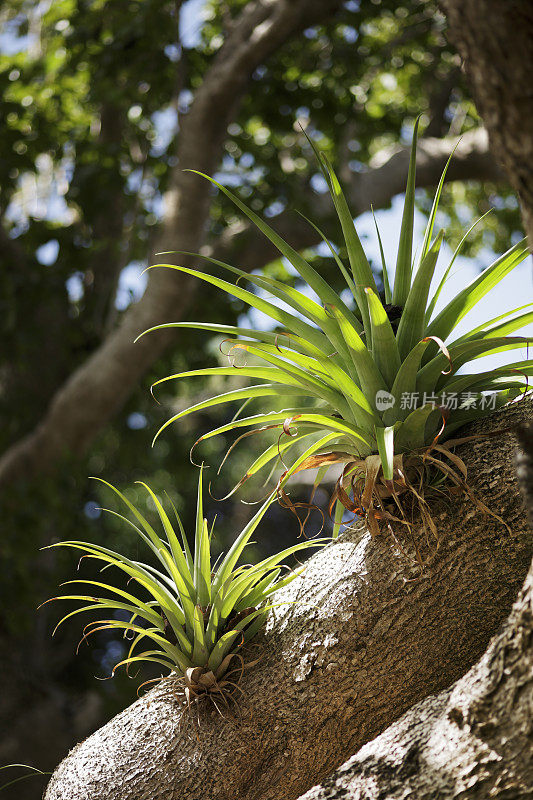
point(495, 41)
point(364, 640)
point(472, 741)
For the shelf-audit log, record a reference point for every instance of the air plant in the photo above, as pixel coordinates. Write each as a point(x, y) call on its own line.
point(186, 615)
point(361, 362)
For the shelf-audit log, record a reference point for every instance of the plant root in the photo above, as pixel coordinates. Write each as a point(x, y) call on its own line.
point(202, 690)
point(420, 477)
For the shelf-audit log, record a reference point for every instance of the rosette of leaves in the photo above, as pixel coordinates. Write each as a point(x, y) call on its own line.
point(186, 614)
point(339, 371)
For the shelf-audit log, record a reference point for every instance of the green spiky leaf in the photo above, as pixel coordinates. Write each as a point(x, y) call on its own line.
point(187, 608)
point(369, 376)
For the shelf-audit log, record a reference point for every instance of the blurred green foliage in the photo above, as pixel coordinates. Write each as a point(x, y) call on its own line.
point(93, 92)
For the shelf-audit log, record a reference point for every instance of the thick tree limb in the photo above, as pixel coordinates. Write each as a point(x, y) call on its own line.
point(100, 387)
point(362, 643)
point(473, 740)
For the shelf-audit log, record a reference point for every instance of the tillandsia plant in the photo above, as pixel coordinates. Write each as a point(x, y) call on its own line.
point(187, 615)
point(381, 371)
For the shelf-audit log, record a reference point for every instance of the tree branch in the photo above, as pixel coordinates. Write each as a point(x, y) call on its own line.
point(99, 388)
point(245, 247)
point(358, 643)
point(471, 741)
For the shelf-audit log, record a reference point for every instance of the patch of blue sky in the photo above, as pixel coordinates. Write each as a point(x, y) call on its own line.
point(233, 173)
point(41, 194)
point(155, 204)
point(275, 208)
point(148, 192)
point(515, 290)
point(172, 51)
point(47, 253)
point(136, 421)
point(134, 180)
point(74, 285)
point(184, 100)
point(166, 125)
point(193, 15)
point(10, 42)
point(349, 34)
point(92, 510)
point(131, 284)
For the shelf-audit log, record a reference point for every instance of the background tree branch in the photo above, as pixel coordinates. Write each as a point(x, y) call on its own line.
point(245, 247)
point(101, 385)
point(99, 388)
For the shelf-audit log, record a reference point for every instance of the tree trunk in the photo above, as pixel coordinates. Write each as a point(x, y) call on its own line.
point(363, 642)
point(495, 40)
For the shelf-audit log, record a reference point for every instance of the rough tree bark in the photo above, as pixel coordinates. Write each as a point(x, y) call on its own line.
point(495, 40)
point(362, 644)
point(471, 741)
